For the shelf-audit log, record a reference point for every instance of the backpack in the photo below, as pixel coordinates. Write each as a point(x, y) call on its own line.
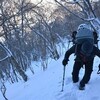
point(95, 36)
point(84, 32)
point(84, 42)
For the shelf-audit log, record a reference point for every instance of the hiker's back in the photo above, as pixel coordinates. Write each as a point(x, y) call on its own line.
point(84, 33)
point(84, 42)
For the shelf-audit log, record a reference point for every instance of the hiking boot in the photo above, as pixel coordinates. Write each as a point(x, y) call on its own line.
point(81, 87)
point(75, 81)
point(86, 82)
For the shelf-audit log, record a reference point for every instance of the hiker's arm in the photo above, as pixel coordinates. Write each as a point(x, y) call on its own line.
point(97, 51)
point(69, 52)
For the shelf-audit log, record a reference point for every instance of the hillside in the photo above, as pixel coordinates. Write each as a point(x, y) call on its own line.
point(47, 85)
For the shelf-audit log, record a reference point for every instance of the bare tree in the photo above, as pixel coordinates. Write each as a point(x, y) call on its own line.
point(86, 12)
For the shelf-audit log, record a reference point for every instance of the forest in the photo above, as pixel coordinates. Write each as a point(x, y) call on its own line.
point(31, 32)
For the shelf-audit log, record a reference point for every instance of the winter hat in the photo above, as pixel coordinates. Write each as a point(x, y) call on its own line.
point(87, 48)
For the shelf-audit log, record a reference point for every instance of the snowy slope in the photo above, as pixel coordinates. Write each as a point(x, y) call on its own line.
point(47, 85)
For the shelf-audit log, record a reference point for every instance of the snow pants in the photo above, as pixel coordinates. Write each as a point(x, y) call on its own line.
point(87, 73)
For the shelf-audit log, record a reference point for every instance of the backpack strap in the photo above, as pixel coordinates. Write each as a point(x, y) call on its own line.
point(76, 45)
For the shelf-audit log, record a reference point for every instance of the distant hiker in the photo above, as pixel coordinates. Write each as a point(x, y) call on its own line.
point(85, 52)
point(73, 35)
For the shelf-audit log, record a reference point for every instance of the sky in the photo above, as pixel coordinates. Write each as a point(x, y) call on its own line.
point(47, 85)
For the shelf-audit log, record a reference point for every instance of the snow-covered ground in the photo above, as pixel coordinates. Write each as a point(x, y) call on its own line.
point(47, 85)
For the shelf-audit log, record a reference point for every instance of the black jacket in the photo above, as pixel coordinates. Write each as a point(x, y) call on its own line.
point(95, 52)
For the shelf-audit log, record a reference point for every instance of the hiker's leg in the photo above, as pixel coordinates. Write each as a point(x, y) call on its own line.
point(87, 75)
point(76, 69)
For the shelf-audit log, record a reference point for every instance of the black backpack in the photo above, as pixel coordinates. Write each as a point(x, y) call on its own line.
point(84, 50)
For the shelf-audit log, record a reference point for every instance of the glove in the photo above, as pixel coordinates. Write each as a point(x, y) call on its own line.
point(64, 62)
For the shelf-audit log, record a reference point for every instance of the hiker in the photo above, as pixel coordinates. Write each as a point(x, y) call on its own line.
point(73, 35)
point(85, 52)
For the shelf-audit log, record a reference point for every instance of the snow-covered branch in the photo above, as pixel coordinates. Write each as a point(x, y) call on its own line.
point(88, 12)
point(68, 9)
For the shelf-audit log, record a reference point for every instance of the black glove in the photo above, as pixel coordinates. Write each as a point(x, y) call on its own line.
point(65, 62)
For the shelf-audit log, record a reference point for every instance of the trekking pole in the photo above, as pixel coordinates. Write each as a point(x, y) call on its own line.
point(63, 79)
